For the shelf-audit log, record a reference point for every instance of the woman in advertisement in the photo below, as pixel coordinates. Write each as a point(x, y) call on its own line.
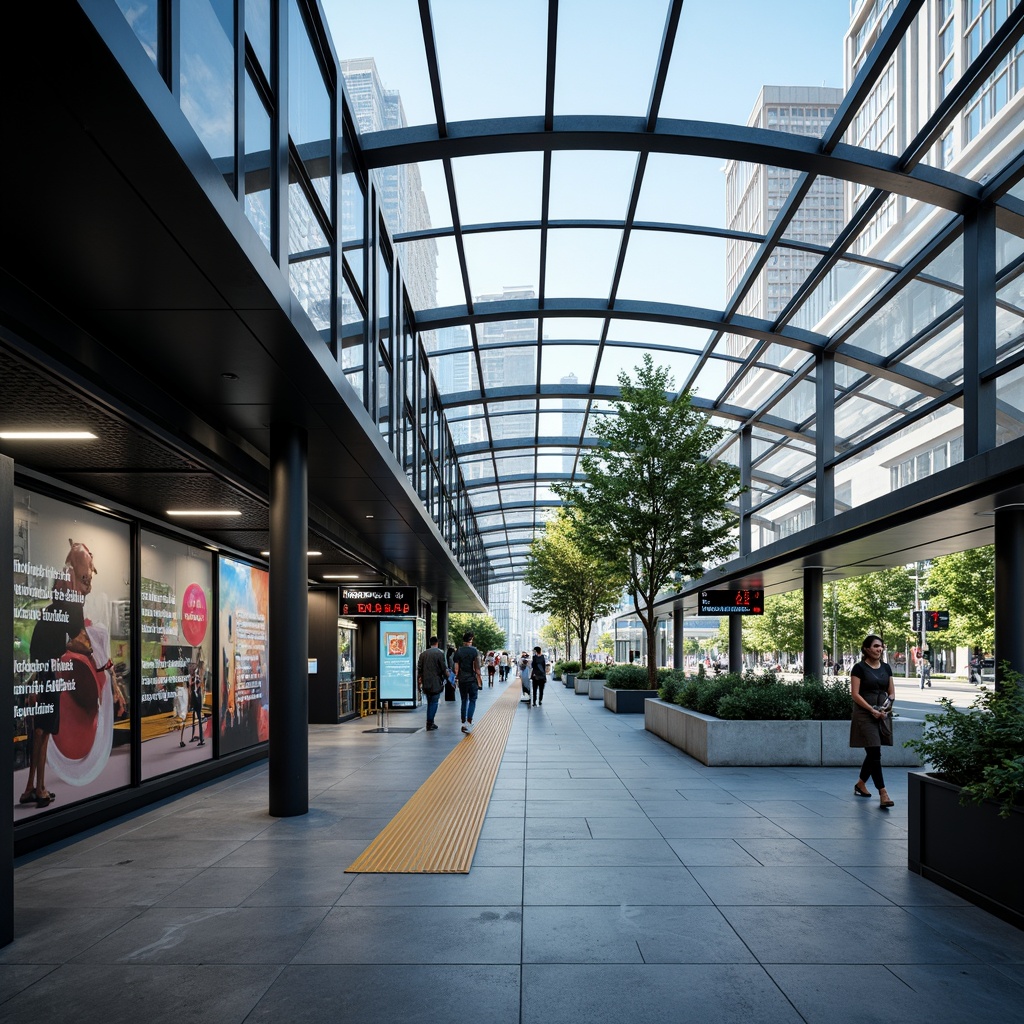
point(76, 690)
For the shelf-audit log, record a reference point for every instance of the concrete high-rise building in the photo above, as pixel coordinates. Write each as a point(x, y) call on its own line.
point(403, 202)
point(572, 418)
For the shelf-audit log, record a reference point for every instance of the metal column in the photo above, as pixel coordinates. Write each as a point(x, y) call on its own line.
point(289, 622)
point(814, 614)
point(1009, 573)
point(735, 643)
point(678, 638)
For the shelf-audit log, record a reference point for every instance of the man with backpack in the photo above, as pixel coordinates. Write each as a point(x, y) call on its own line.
point(466, 662)
point(432, 672)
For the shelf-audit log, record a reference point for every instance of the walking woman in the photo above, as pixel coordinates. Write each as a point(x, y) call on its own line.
point(872, 689)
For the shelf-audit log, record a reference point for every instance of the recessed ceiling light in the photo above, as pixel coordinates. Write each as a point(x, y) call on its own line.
point(47, 435)
point(203, 512)
point(230, 376)
point(370, 516)
point(309, 554)
point(330, 576)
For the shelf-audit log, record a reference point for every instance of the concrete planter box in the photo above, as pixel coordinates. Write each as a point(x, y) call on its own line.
point(717, 742)
point(596, 689)
point(581, 686)
point(968, 849)
point(569, 680)
point(627, 702)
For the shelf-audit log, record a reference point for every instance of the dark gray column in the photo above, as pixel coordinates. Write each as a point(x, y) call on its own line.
point(979, 330)
point(735, 643)
point(678, 638)
point(7, 687)
point(825, 437)
point(289, 622)
point(1009, 573)
point(442, 624)
point(746, 434)
point(814, 610)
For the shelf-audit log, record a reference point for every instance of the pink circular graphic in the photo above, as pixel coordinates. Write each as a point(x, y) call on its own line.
point(193, 614)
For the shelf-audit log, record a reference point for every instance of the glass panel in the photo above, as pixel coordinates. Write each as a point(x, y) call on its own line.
point(1010, 406)
point(787, 463)
point(756, 387)
point(903, 316)
point(309, 108)
point(384, 399)
point(455, 373)
point(567, 364)
point(516, 426)
point(581, 263)
point(590, 185)
point(687, 268)
point(508, 367)
point(450, 291)
point(820, 217)
point(207, 78)
point(257, 163)
point(501, 332)
point(783, 518)
point(309, 260)
point(446, 339)
point(144, 20)
point(798, 404)
point(858, 418)
point(506, 187)
point(257, 31)
point(617, 359)
point(380, 47)
point(480, 78)
point(573, 328)
point(843, 290)
point(502, 264)
point(682, 190)
point(595, 36)
point(711, 379)
point(353, 216)
point(1008, 248)
point(511, 495)
point(885, 465)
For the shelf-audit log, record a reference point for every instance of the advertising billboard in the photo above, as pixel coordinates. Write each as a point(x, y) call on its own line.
point(244, 705)
point(72, 656)
point(397, 660)
point(177, 655)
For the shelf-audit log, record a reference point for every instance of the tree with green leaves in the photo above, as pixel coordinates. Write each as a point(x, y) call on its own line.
point(653, 506)
point(567, 579)
point(883, 601)
point(606, 643)
point(780, 630)
point(488, 635)
point(964, 584)
point(554, 634)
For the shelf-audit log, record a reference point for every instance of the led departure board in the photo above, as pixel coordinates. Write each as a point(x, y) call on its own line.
point(379, 601)
point(730, 602)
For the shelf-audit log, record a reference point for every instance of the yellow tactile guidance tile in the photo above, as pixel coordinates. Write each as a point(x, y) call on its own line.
point(437, 830)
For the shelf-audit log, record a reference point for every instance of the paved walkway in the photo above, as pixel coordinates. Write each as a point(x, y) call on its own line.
point(616, 880)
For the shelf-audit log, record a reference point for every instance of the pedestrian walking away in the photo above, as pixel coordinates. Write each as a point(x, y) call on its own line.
point(873, 692)
point(467, 671)
point(523, 666)
point(431, 675)
point(538, 676)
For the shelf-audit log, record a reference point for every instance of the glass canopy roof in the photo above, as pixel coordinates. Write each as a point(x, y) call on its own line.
point(596, 180)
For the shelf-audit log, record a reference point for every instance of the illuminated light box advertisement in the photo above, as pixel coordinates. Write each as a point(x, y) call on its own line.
point(244, 706)
point(397, 659)
point(72, 617)
point(177, 655)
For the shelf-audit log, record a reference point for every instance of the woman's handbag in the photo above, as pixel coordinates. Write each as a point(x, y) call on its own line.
point(449, 686)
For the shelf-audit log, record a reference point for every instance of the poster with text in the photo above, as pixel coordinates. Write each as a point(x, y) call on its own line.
point(244, 705)
point(397, 659)
point(72, 657)
point(177, 649)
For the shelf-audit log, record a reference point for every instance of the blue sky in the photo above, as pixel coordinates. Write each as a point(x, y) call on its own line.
point(491, 58)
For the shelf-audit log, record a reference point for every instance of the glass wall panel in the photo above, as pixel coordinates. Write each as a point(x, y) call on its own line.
point(353, 220)
point(503, 265)
point(508, 367)
point(309, 259)
point(941, 355)
point(843, 290)
point(258, 176)
point(1010, 406)
point(894, 461)
point(581, 262)
point(683, 270)
point(309, 108)
point(903, 316)
point(207, 77)
point(258, 32)
point(567, 364)
point(144, 20)
point(455, 373)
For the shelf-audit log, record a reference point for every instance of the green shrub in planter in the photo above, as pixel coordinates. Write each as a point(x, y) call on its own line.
point(593, 672)
point(980, 749)
point(764, 697)
point(670, 684)
point(628, 677)
point(561, 667)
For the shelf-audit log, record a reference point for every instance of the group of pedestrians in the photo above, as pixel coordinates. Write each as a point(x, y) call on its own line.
point(437, 670)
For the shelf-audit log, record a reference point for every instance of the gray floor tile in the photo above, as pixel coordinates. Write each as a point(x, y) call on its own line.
point(593, 886)
point(711, 851)
point(623, 852)
point(705, 994)
point(841, 935)
point(719, 828)
point(630, 934)
point(805, 885)
point(52, 935)
point(127, 994)
point(874, 852)
point(456, 994)
point(483, 886)
point(416, 935)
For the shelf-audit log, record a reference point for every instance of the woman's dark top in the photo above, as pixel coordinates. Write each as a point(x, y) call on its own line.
point(865, 729)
